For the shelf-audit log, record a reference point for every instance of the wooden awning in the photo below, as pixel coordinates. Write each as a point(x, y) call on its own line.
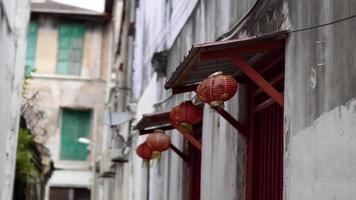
point(150, 122)
point(161, 120)
point(245, 59)
point(205, 59)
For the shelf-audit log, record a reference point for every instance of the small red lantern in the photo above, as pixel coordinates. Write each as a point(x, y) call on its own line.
point(158, 141)
point(186, 113)
point(217, 89)
point(144, 151)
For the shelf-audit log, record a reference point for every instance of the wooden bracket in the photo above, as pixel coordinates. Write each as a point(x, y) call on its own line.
point(235, 123)
point(164, 128)
point(179, 153)
point(246, 68)
point(187, 135)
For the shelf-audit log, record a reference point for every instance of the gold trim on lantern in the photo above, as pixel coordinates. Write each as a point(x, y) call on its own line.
point(215, 74)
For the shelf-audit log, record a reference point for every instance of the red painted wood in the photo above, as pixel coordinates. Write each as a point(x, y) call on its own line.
point(265, 145)
point(235, 123)
point(250, 142)
point(238, 51)
point(194, 173)
point(188, 136)
point(268, 154)
point(258, 79)
point(179, 153)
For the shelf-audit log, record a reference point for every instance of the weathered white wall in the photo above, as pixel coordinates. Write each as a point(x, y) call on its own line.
point(224, 156)
point(322, 157)
point(14, 17)
point(191, 22)
point(320, 105)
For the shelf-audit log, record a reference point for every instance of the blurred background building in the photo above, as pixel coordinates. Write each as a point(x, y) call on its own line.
point(69, 52)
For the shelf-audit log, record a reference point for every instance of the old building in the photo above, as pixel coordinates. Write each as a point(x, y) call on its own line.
point(14, 16)
point(69, 52)
point(288, 133)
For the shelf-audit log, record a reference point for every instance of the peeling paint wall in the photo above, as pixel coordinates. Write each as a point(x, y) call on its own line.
point(224, 156)
point(319, 115)
point(224, 151)
point(322, 157)
point(84, 91)
point(14, 17)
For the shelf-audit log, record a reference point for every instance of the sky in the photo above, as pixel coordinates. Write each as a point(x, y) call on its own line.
point(97, 5)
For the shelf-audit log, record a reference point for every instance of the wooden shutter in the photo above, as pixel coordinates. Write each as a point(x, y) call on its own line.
point(31, 45)
point(75, 124)
point(268, 154)
point(70, 48)
point(194, 157)
point(266, 143)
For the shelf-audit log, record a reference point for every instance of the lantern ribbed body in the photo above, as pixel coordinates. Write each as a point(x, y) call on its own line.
point(144, 151)
point(158, 141)
point(186, 113)
point(217, 89)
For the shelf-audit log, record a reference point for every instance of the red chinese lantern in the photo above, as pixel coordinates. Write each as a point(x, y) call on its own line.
point(217, 89)
point(186, 113)
point(158, 141)
point(144, 151)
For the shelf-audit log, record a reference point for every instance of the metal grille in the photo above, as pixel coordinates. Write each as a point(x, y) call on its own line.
point(268, 154)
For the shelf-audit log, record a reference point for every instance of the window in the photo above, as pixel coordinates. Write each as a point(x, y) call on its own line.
point(57, 193)
point(31, 44)
point(70, 48)
point(75, 124)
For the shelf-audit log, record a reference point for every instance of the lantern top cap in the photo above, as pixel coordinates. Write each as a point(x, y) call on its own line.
point(217, 74)
point(159, 131)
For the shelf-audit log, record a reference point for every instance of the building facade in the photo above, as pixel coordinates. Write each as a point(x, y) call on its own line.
point(13, 25)
point(69, 55)
point(294, 64)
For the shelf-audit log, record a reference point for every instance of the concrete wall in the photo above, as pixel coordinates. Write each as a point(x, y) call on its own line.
point(224, 151)
point(14, 17)
point(224, 156)
point(86, 91)
point(320, 105)
point(46, 51)
point(319, 89)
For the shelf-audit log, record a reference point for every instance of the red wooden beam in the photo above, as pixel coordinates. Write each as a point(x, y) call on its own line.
point(273, 81)
point(237, 51)
point(187, 135)
point(250, 143)
point(236, 124)
point(263, 105)
point(275, 61)
point(179, 153)
point(164, 128)
point(246, 68)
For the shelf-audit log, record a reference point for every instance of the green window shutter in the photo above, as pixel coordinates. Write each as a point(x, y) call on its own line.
point(70, 48)
point(31, 45)
point(75, 124)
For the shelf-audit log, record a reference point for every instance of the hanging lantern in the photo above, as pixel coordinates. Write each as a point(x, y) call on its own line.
point(217, 89)
point(158, 141)
point(186, 113)
point(144, 151)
